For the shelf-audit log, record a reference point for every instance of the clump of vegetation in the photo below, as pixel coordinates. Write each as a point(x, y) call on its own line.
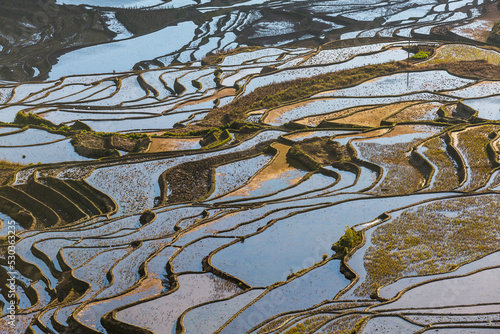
point(420, 49)
point(192, 133)
point(244, 127)
point(299, 328)
point(216, 136)
point(80, 126)
point(274, 324)
point(358, 325)
point(33, 119)
point(348, 241)
point(421, 55)
point(92, 146)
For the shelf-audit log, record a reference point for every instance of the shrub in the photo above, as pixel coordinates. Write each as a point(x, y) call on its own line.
point(348, 241)
point(421, 55)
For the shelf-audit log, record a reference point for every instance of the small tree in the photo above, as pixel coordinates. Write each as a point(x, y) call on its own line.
point(348, 241)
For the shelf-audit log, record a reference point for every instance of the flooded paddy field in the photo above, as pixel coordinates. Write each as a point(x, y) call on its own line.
point(250, 167)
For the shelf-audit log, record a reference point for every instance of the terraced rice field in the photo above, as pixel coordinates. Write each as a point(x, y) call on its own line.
point(250, 167)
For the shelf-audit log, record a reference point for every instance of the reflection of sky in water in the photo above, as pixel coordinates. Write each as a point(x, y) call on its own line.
point(234, 175)
point(265, 258)
point(57, 152)
point(111, 56)
point(468, 290)
point(303, 292)
point(315, 182)
point(4, 230)
point(391, 290)
point(270, 186)
point(390, 325)
point(210, 317)
point(487, 108)
point(7, 130)
point(28, 137)
point(148, 123)
point(399, 139)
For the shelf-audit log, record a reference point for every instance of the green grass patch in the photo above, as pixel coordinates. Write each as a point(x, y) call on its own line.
point(421, 55)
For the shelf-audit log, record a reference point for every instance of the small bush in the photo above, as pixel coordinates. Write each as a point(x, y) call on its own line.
point(421, 55)
point(348, 241)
